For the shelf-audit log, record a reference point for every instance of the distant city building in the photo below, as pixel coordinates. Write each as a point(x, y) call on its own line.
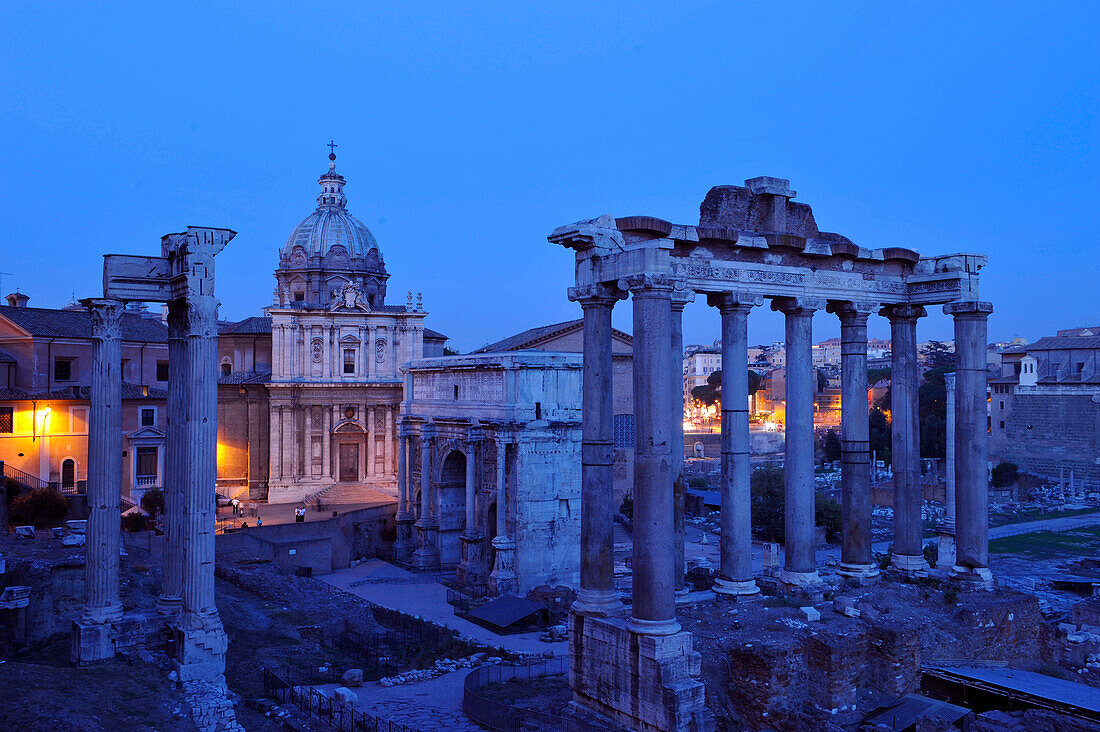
point(1045, 406)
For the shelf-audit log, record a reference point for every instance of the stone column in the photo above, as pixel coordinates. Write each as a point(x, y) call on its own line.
point(908, 553)
point(471, 570)
point(597, 595)
point(387, 444)
point(372, 439)
point(799, 567)
point(503, 577)
point(170, 600)
point(405, 545)
point(654, 608)
point(427, 555)
point(971, 442)
point(945, 558)
point(326, 442)
point(680, 298)
point(735, 572)
point(93, 636)
point(855, 451)
point(372, 369)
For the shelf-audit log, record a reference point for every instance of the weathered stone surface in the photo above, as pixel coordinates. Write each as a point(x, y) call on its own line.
point(353, 677)
point(811, 613)
point(24, 532)
point(345, 695)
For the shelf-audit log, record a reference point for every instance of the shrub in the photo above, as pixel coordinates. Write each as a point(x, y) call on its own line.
point(1005, 474)
point(697, 481)
point(153, 502)
point(627, 507)
point(827, 514)
point(133, 522)
point(40, 507)
point(932, 553)
point(950, 595)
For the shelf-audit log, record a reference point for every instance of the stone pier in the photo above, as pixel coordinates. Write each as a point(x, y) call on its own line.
point(971, 443)
point(95, 632)
point(735, 572)
point(502, 579)
point(405, 544)
point(426, 555)
point(855, 454)
point(908, 555)
point(800, 557)
point(471, 572)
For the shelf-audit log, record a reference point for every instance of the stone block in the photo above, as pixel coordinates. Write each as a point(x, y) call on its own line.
point(845, 606)
point(353, 677)
point(91, 642)
point(1067, 628)
point(24, 532)
point(812, 614)
point(200, 652)
point(57, 532)
point(868, 612)
point(77, 526)
point(74, 539)
point(345, 695)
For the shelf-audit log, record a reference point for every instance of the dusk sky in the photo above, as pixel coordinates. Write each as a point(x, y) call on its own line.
point(468, 132)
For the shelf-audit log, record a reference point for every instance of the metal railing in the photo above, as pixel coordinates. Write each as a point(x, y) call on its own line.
point(29, 481)
point(335, 713)
point(499, 715)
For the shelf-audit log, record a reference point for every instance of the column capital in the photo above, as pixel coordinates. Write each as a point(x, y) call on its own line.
point(428, 431)
point(657, 285)
point(797, 305)
point(596, 295)
point(403, 429)
point(903, 312)
point(854, 312)
point(681, 295)
point(475, 434)
point(731, 301)
point(971, 309)
point(106, 317)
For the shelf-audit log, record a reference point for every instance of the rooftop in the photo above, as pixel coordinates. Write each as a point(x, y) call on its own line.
point(49, 323)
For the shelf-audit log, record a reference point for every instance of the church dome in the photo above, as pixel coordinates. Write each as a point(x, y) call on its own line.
point(330, 225)
point(328, 250)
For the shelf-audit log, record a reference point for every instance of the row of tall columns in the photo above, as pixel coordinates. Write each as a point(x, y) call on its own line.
point(405, 544)
point(102, 603)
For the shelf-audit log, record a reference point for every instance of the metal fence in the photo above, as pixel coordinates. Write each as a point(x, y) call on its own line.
point(499, 715)
point(335, 713)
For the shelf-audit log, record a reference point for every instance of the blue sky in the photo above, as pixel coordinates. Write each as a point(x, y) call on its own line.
point(467, 133)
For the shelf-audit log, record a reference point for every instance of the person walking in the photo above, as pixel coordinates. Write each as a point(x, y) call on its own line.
point(236, 506)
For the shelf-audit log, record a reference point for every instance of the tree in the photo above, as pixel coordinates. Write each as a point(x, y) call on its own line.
point(755, 380)
point(932, 412)
point(706, 394)
point(766, 504)
point(832, 446)
point(40, 507)
point(876, 375)
point(880, 434)
point(153, 502)
point(1005, 474)
point(936, 354)
point(827, 515)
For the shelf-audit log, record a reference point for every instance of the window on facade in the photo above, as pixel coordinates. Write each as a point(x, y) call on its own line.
point(624, 430)
point(146, 462)
point(299, 296)
point(456, 392)
point(62, 369)
point(79, 420)
point(162, 371)
point(7, 419)
point(1002, 424)
point(1002, 406)
point(148, 416)
point(538, 410)
point(1080, 367)
point(349, 360)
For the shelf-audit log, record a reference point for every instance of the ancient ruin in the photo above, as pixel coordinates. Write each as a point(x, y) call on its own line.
point(182, 277)
point(752, 243)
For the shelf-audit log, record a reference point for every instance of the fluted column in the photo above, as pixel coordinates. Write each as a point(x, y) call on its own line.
point(405, 544)
point(971, 442)
point(471, 570)
point(855, 455)
point(102, 604)
point(735, 572)
point(946, 554)
point(680, 298)
point(171, 595)
point(654, 608)
point(427, 555)
point(908, 553)
point(387, 444)
point(597, 595)
point(372, 439)
point(799, 565)
point(503, 577)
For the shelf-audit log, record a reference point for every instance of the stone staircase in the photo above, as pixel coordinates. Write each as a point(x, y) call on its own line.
point(348, 493)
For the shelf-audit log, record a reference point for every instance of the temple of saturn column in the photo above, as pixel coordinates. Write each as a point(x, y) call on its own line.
point(182, 277)
point(634, 665)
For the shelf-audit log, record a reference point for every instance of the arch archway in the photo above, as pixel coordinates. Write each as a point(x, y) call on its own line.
point(68, 474)
point(450, 506)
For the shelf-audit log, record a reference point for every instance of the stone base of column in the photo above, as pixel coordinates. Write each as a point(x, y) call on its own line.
point(612, 668)
point(405, 544)
point(169, 606)
point(598, 603)
point(92, 642)
point(978, 578)
point(735, 587)
point(909, 563)
point(471, 573)
point(426, 556)
point(857, 571)
point(946, 548)
point(200, 652)
point(799, 579)
point(642, 626)
point(503, 580)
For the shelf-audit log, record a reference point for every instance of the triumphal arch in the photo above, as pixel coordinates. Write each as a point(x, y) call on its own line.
point(635, 665)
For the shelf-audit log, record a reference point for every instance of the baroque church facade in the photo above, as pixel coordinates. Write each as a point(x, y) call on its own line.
point(335, 381)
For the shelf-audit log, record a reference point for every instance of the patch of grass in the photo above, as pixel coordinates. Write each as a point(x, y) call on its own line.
point(1005, 519)
point(1050, 544)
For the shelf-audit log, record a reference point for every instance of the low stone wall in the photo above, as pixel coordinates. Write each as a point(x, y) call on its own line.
point(362, 533)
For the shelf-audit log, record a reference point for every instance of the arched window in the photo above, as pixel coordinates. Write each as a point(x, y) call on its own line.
point(68, 474)
point(226, 369)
